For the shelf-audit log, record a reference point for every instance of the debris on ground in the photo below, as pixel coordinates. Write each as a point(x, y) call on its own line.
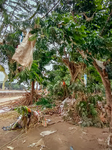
point(24, 141)
point(51, 111)
point(10, 147)
point(4, 109)
point(27, 116)
point(44, 123)
point(71, 148)
point(68, 110)
point(109, 141)
point(32, 145)
point(40, 144)
point(72, 128)
point(44, 133)
point(101, 141)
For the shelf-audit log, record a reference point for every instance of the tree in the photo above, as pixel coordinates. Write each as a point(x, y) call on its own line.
point(76, 33)
point(91, 37)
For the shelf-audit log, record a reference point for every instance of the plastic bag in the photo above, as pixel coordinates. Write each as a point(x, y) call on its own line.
point(5, 78)
point(24, 52)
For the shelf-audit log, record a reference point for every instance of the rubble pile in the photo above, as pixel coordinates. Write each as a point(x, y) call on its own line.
point(68, 111)
point(51, 111)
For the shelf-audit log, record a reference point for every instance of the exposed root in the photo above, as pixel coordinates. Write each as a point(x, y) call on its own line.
point(26, 99)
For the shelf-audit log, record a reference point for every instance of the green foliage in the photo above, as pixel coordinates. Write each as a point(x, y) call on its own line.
point(13, 86)
point(33, 74)
point(87, 122)
point(45, 102)
point(55, 80)
point(61, 34)
point(23, 110)
point(88, 108)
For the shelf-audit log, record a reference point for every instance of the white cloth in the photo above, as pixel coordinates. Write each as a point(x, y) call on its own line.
point(100, 64)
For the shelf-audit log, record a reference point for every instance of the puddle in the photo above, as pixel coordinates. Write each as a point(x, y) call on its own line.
point(4, 109)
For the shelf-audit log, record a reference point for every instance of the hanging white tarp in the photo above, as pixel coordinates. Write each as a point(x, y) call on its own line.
point(24, 52)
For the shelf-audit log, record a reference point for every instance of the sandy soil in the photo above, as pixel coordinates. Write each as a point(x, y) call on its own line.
point(66, 135)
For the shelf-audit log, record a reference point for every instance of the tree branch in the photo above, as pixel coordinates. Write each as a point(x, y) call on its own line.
point(35, 12)
point(51, 9)
point(106, 22)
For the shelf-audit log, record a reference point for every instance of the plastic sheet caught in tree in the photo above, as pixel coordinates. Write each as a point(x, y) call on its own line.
point(100, 64)
point(6, 76)
point(24, 52)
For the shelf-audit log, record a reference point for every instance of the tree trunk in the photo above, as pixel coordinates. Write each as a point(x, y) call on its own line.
point(106, 83)
point(32, 91)
point(75, 70)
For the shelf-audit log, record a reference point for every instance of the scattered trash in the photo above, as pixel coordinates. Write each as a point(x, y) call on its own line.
point(71, 148)
point(109, 141)
point(48, 120)
point(79, 122)
point(5, 109)
point(72, 128)
point(69, 101)
point(84, 133)
point(40, 143)
point(44, 123)
point(60, 140)
point(24, 141)
point(47, 133)
point(101, 141)
point(105, 132)
point(32, 145)
point(25, 118)
point(9, 147)
point(6, 128)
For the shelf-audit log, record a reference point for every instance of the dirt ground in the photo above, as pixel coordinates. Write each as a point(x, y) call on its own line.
point(5, 99)
point(66, 135)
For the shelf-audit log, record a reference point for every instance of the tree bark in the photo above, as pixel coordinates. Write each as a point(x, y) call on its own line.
point(32, 91)
point(106, 83)
point(75, 70)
